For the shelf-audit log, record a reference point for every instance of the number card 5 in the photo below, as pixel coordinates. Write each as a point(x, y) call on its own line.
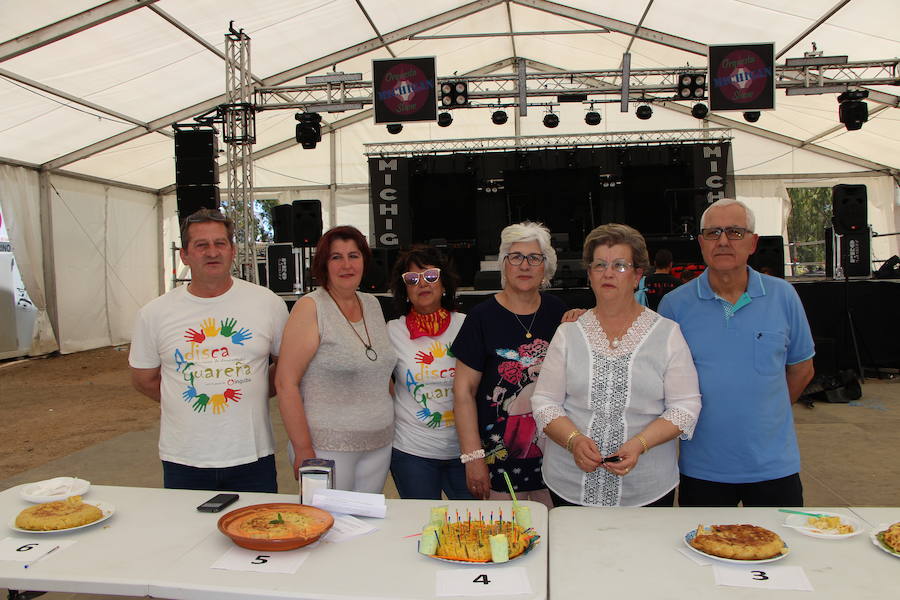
point(241, 559)
point(482, 581)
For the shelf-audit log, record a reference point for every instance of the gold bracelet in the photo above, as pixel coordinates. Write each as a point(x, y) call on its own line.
point(571, 437)
point(643, 442)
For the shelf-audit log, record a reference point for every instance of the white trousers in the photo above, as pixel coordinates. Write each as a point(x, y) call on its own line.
point(363, 471)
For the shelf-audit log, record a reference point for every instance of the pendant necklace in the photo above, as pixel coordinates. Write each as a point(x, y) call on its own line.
point(370, 351)
point(614, 341)
point(527, 329)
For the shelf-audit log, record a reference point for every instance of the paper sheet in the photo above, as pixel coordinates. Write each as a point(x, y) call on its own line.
point(486, 581)
point(241, 559)
point(762, 576)
point(346, 527)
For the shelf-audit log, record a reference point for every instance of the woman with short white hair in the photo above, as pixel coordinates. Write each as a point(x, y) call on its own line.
point(499, 351)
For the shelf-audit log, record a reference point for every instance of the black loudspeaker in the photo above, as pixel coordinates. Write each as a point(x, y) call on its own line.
point(192, 198)
point(280, 271)
point(377, 276)
point(890, 269)
point(283, 223)
point(849, 212)
point(307, 222)
point(196, 170)
point(196, 151)
point(856, 253)
point(769, 256)
point(487, 280)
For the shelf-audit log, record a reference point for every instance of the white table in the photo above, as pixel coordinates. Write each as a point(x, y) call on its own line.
point(633, 553)
point(157, 544)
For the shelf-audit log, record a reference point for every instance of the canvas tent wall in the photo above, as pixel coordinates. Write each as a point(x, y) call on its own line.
point(89, 91)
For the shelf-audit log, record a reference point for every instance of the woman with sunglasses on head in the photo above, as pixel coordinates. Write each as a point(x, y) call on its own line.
point(335, 369)
point(618, 386)
point(499, 352)
point(425, 456)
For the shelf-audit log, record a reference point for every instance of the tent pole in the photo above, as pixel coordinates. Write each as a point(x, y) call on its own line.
point(48, 252)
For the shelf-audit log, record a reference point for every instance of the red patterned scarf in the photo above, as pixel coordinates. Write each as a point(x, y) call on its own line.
point(431, 325)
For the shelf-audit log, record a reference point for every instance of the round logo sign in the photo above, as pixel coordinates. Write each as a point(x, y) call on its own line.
point(741, 76)
point(405, 89)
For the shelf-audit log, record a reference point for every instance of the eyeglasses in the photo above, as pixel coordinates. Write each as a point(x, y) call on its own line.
point(619, 265)
point(732, 233)
point(429, 275)
point(516, 259)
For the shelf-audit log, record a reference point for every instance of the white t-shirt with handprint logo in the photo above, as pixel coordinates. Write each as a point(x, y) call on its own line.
point(423, 391)
point(213, 355)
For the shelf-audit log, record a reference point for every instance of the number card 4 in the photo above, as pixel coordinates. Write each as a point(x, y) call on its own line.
point(492, 581)
point(763, 576)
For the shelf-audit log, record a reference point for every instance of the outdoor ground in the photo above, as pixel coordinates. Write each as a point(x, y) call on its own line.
point(54, 406)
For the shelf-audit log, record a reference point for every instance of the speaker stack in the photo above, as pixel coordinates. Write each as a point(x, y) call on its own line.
point(769, 256)
point(307, 222)
point(196, 170)
point(295, 226)
point(850, 234)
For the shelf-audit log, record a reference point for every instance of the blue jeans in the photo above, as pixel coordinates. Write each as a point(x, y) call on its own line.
point(259, 476)
point(419, 478)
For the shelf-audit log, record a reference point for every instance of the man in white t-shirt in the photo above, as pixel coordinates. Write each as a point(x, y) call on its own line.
point(207, 353)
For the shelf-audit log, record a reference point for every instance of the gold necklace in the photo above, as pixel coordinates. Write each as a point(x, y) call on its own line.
point(533, 317)
point(370, 351)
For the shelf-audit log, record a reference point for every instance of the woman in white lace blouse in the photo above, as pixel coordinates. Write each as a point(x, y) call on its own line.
point(620, 384)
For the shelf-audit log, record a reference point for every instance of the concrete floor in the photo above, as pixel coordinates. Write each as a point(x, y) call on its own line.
point(849, 452)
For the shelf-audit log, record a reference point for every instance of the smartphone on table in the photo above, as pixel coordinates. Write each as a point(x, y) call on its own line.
point(218, 502)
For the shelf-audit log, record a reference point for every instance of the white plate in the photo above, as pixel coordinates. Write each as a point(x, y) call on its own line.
point(106, 508)
point(32, 492)
point(874, 537)
point(798, 523)
point(693, 532)
point(536, 540)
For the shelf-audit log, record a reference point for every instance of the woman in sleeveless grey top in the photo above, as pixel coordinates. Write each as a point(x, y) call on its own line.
point(334, 369)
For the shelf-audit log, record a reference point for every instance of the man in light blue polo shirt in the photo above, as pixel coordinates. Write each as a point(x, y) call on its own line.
point(753, 351)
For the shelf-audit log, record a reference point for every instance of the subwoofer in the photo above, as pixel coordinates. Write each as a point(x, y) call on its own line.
point(855, 254)
point(769, 256)
point(280, 268)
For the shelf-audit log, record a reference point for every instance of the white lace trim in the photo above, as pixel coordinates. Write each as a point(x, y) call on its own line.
point(681, 419)
point(547, 415)
point(628, 343)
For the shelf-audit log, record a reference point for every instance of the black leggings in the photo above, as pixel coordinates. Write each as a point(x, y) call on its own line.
point(785, 491)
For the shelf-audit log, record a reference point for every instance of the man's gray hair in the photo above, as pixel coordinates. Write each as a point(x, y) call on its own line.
point(528, 231)
point(751, 220)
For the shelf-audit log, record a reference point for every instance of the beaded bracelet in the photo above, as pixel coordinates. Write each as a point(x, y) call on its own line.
point(571, 437)
point(474, 455)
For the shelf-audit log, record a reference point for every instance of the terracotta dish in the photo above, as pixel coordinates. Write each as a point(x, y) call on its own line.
point(275, 526)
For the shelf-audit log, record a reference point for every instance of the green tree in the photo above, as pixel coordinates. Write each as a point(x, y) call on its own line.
point(810, 215)
point(264, 230)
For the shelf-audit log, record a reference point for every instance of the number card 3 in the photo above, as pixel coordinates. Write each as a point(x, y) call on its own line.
point(767, 577)
point(241, 559)
point(482, 582)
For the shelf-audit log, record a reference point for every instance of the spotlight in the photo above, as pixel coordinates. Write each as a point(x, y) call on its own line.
point(394, 128)
point(592, 118)
point(444, 119)
point(691, 86)
point(853, 112)
point(454, 93)
point(551, 120)
point(751, 116)
point(644, 112)
point(699, 111)
point(309, 129)
point(499, 117)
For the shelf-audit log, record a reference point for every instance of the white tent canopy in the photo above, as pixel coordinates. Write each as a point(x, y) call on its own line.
point(89, 93)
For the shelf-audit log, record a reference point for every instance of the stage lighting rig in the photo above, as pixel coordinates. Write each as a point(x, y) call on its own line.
point(751, 116)
point(499, 117)
point(853, 112)
point(394, 128)
point(699, 111)
point(309, 129)
point(643, 112)
point(454, 93)
point(691, 86)
point(444, 119)
point(592, 117)
point(551, 120)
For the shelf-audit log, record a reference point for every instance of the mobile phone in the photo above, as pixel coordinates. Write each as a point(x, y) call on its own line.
point(218, 502)
point(612, 459)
